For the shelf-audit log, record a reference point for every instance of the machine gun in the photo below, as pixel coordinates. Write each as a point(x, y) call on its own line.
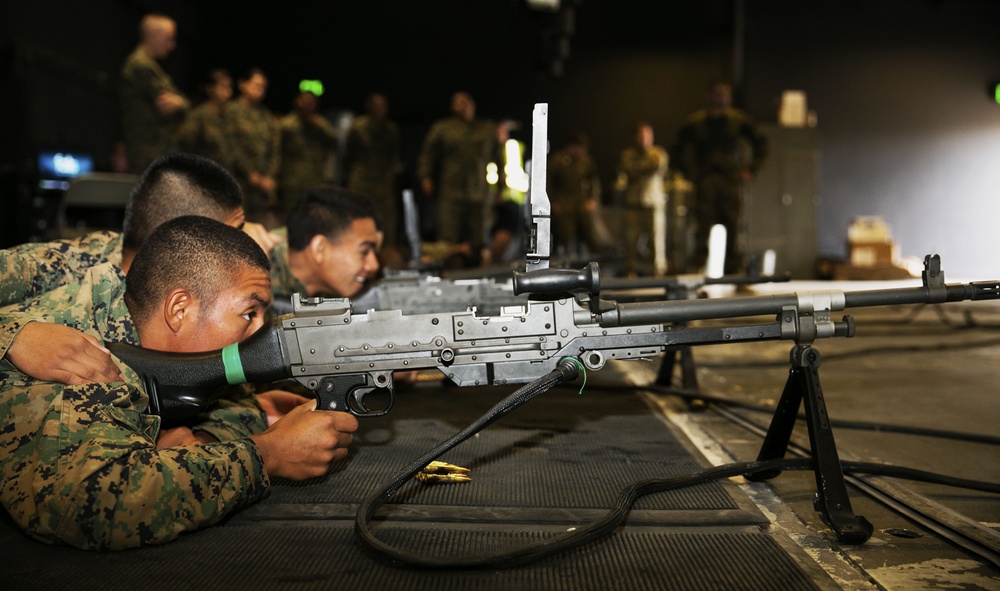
point(343, 356)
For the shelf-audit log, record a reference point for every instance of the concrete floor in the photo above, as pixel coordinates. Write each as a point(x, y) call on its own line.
point(933, 367)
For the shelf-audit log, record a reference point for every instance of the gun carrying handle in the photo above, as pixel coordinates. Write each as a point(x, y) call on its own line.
point(554, 281)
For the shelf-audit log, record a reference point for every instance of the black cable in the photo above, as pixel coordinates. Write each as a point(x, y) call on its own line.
point(569, 369)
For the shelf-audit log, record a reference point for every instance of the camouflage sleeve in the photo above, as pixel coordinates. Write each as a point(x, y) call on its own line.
point(352, 150)
point(637, 164)
point(236, 416)
point(83, 469)
point(429, 154)
point(31, 269)
point(273, 156)
point(330, 135)
point(9, 327)
point(190, 135)
point(686, 151)
point(149, 81)
point(758, 143)
point(234, 123)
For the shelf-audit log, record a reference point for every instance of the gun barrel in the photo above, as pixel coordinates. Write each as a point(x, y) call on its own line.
point(958, 292)
point(687, 310)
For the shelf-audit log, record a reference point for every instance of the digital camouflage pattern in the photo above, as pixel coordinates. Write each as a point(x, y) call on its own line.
point(28, 270)
point(283, 282)
point(148, 134)
point(79, 464)
point(455, 154)
point(256, 145)
point(715, 153)
point(572, 181)
point(304, 151)
point(208, 133)
point(644, 171)
point(371, 164)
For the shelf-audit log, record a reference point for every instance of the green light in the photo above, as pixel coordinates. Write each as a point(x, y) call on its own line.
point(312, 86)
point(996, 92)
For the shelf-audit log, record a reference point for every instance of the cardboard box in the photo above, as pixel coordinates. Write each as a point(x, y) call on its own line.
point(871, 254)
point(844, 272)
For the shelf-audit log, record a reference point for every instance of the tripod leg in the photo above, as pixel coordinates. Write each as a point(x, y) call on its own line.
point(779, 433)
point(689, 376)
point(666, 376)
point(832, 500)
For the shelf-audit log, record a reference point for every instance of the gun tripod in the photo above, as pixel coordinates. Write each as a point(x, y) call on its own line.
point(832, 501)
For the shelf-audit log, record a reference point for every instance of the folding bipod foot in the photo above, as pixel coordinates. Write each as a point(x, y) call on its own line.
point(832, 501)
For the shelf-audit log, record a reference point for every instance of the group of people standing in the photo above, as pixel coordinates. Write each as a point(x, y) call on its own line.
point(273, 158)
point(718, 151)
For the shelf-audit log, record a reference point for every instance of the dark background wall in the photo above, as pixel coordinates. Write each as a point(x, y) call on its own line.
point(899, 86)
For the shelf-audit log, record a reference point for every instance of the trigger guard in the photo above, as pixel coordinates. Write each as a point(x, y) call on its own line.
point(346, 393)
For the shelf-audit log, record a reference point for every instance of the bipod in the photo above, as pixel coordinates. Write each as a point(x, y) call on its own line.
point(832, 501)
point(680, 354)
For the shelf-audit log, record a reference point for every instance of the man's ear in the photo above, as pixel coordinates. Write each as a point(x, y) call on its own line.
point(178, 309)
point(319, 248)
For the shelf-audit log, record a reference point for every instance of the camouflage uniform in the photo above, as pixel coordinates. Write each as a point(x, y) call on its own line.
point(283, 283)
point(644, 172)
point(572, 182)
point(209, 134)
point(712, 153)
point(255, 140)
point(371, 163)
point(304, 151)
point(79, 464)
point(148, 134)
point(29, 270)
point(455, 154)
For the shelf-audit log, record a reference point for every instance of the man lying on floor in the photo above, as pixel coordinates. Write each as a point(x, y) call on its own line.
point(86, 466)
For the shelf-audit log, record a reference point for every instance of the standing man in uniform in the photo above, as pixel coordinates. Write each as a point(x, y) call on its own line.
point(574, 189)
point(206, 132)
point(307, 140)
point(372, 162)
point(452, 169)
point(641, 174)
point(719, 149)
point(152, 106)
point(256, 149)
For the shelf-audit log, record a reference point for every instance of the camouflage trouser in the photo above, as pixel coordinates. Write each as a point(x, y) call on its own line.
point(718, 200)
point(464, 221)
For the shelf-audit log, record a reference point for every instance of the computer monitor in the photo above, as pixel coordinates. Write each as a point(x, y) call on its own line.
point(57, 166)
